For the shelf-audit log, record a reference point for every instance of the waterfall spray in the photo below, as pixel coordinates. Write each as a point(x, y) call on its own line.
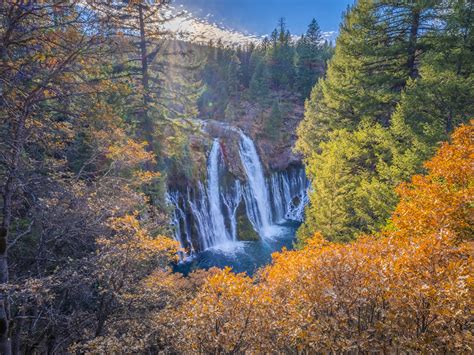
point(258, 191)
point(207, 218)
point(220, 235)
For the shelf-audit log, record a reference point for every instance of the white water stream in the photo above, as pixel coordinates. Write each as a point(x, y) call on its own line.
point(211, 210)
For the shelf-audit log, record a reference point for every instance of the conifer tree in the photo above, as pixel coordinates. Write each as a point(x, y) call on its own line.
point(377, 51)
point(310, 58)
point(398, 65)
point(247, 64)
point(440, 98)
point(353, 176)
point(329, 211)
point(234, 75)
point(141, 23)
point(259, 84)
point(274, 122)
point(280, 57)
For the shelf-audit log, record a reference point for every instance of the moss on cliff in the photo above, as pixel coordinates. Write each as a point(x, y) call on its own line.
point(245, 229)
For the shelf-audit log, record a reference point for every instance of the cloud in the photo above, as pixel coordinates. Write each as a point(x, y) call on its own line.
point(188, 27)
point(202, 30)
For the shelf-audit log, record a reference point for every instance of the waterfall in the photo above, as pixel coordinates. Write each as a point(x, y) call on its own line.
point(281, 194)
point(232, 202)
point(202, 221)
point(219, 235)
point(257, 193)
point(289, 191)
point(207, 215)
point(182, 233)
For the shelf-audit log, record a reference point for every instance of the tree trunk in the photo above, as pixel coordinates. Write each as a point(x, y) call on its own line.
point(8, 191)
point(146, 121)
point(412, 43)
point(16, 346)
point(465, 40)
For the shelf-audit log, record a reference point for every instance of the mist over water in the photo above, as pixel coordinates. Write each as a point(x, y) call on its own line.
point(243, 256)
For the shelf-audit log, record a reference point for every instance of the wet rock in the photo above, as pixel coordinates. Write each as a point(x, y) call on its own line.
point(245, 230)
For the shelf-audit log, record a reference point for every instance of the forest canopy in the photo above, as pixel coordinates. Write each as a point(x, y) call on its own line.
point(102, 116)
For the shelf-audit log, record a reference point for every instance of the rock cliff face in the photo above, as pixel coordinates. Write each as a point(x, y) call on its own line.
point(226, 146)
point(224, 208)
point(276, 153)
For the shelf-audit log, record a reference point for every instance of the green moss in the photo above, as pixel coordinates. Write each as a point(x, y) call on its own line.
point(245, 229)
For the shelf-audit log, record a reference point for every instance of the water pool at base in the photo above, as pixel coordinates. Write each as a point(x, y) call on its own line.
point(243, 256)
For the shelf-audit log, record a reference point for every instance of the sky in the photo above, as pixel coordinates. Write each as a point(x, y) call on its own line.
point(259, 17)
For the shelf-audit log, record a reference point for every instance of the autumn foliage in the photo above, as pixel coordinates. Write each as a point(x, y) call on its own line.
point(442, 200)
point(409, 289)
point(91, 134)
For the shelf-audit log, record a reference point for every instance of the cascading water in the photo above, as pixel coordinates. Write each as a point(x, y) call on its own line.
point(208, 216)
point(258, 203)
point(219, 235)
point(231, 202)
point(289, 191)
point(182, 233)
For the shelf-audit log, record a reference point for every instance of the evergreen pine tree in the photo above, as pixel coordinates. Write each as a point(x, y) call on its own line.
point(234, 76)
point(310, 59)
point(440, 98)
point(353, 176)
point(280, 58)
point(405, 67)
point(377, 51)
point(274, 122)
point(259, 84)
